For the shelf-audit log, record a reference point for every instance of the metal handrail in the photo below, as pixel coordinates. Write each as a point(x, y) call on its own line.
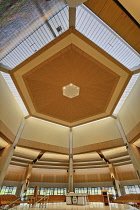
point(42, 199)
point(8, 205)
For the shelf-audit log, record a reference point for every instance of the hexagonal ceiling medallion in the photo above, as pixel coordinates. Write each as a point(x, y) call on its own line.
point(71, 91)
point(70, 81)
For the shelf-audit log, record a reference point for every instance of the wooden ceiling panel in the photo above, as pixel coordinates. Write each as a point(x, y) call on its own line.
point(115, 152)
point(118, 20)
point(137, 143)
point(86, 157)
point(21, 160)
point(54, 157)
point(120, 159)
point(2, 143)
point(71, 65)
point(97, 5)
point(26, 153)
point(71, 58)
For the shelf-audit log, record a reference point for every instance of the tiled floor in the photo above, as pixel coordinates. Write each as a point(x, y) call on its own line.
point(91, 206)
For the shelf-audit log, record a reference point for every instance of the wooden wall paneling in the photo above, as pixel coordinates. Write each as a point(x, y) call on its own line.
point(92, 175)
point(46, 175)
point(15, 173)
point(126, 172)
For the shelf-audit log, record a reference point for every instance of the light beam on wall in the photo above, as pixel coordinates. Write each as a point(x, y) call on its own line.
point(15, 93)
point(92, 122)
point(49, 122)
point(126, 93)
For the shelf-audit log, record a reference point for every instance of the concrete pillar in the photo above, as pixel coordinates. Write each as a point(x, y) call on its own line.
point(18, 191)
point(8, 153)
point(26, 181)
point(70, 186)
point(122, 190)
point(36, 192)
point(132, 149)
point(115, 180)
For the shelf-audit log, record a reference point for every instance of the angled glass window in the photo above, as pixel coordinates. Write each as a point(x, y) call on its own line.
point(38, 38)
point(91, 26)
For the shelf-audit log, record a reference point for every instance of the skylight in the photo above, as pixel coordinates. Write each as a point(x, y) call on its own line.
point(88, 24)
point(15, 93)
point(126, 93)
point(91, 26)
point(44, 34)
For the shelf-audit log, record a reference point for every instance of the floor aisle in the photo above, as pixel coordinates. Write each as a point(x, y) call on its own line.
point(94, 206)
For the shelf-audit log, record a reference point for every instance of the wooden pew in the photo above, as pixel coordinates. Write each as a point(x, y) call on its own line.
point(10, 199)
point(128, 199)
point(57, 198)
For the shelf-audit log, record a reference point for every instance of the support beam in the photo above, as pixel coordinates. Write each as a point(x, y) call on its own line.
point(28, 173)
point(132, 149)
point(75, 3)
point(72, 17)
point(70, 186)
point(8, 153)
point(26, 181)
point(114, 179)
point(113, 174)
point(4, 68)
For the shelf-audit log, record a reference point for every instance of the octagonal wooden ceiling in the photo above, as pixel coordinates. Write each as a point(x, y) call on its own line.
point(70, 58)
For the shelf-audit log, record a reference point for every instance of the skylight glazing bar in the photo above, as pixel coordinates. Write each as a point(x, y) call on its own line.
point(37, 39)
point(91, 26)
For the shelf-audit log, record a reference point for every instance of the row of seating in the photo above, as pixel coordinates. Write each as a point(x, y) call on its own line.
point(57, 198)
point(95, 198)
point(10, 199)
point(130, 198)
point(7, 199)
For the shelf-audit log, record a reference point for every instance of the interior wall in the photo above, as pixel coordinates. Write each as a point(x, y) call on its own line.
point(10, 112)
point(44, 132)
point(95, 132)
point(126, 172)
point(49, 175)
point(48, 184)
point(15, 173)
point(93, 184)
point(129, 114)
point(92, 175)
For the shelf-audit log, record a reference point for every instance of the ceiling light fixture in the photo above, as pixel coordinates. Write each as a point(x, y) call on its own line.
point(71, 91)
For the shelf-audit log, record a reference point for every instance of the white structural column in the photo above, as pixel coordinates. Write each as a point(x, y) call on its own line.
point(8, 153)
point(26, 181)
point(132, 150)
point(115, 180)
point(70, 186)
